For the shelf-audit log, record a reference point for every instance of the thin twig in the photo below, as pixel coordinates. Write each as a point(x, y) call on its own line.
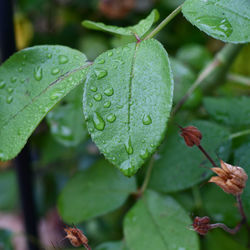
point(241, 209)
point(207, 155)
point(239, 79)
point(226, 228)
point(164, 22)
point(238, 134)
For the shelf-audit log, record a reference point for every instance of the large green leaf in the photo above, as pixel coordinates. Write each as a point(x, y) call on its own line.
point(158, 222)
point(242, 159)
point(180, 167)
point(94, 192)
point(118, 245)
point(226, 20)
point(140, 29)
point(32, 81)
point(233, 111)
point(127, 101)
point(66, 122)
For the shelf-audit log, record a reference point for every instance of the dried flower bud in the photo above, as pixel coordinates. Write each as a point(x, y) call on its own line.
point(231, 179)
point(191, 135)
point(201, 225)
point(76, 237)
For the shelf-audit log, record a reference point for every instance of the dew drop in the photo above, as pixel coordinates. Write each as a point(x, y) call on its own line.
point(101, 61)
point(98, 97)
point(2, 84)
point(111, 118)
point(146, 120)
point(56, 95)
point(55, 71)
point(91, 104)
point(13, 79)
point(63, 59)
point(100, 73)
point(93, 88)
point(144, 154)
point(91, 130)
point(2, 155)
point(22, 80)
point(24, 56)
point(38, 73)
point(49, 55)
point(152, 145)
point(20, 69)
point(110, 53)
point(107, 104)
point(128, 147)
point(99, 123)
point(10, 90)
point(9, 99)
point(109, 91)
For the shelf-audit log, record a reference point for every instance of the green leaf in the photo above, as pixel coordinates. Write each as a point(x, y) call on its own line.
point(241, 159)
point(8, 187)
point(32, 81)
point(158, 222)
point(94, 192)
point(180, 167)
point(6, 240)
point(140, 29)
point(127, 101)
point(66, 122)
point(226, 20)
point(232, 111)
point(118, 245)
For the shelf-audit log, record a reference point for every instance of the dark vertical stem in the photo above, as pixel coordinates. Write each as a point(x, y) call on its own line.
point(207, 155)
point(23, 161)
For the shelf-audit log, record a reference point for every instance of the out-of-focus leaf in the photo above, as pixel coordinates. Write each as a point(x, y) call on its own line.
point(140, 29)
point(66, 121)
point(180, 167)
point(232, 111)
point(226, 20)
point(32, 81)
point(94, 192)
point(5, 240)
point(158, 222)
point(127, 101)
point(119, 245)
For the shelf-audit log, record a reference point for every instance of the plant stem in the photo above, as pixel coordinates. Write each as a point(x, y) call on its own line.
point(207, 155)
point(226, 228)
point(241, 209)
point(238, 134)
point(239, 79)
point(164, 23)
point(147, 177)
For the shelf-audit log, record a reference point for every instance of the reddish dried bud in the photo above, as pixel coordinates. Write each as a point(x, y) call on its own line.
point(76, 237)
point(231, 179)
point(201, 225)
point(191, 135)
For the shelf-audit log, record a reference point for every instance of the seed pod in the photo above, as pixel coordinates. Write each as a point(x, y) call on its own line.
point(191, 135)
point(201, 225)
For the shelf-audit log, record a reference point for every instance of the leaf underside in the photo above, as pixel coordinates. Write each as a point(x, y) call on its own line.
point(127, 101)
point(32, 81)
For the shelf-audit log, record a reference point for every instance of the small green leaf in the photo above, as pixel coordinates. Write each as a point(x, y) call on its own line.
point(94, 192)
point(233, 111)
point(66, 122)
point(158, 222)
point(127, 101)
point(32, 81)
point(140, 29)
point(226, 20)
point(242, 159)
point(118, 245)
point(180, 167)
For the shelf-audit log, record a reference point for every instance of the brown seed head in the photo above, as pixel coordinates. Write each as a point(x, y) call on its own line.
point(231, 179)
point(76, 237)
point(201, 225)
point(191, 135)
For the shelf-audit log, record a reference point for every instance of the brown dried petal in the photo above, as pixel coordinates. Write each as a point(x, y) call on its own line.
point(201, 225)
point(191, 135)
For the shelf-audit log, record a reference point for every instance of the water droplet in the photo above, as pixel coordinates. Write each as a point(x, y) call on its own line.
point(126, 165)
point(119, 106)
point(98, 97)
point(56, 95)
point(152, 145)
point(143, 141)
point(128, 147)
point(111, 118)
point(100, 73)
point(2, 84)
point(99, 123)
point(91, 104)
point(13, 79)
point(144, 154)
point(109, 91)
point(107, 104)
point(10, 90)
point(63, 59)
point(93, 88)
point(38, 73)
point(22, 80)
point(146, 120)
point(24, 56)
point(91, 130)
point(2, 156)
point(101, 61)
point(20, 69)
point(55, 71)
point(110, 53)
point(217, 26)
point(49, 55)
point(9, 99)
